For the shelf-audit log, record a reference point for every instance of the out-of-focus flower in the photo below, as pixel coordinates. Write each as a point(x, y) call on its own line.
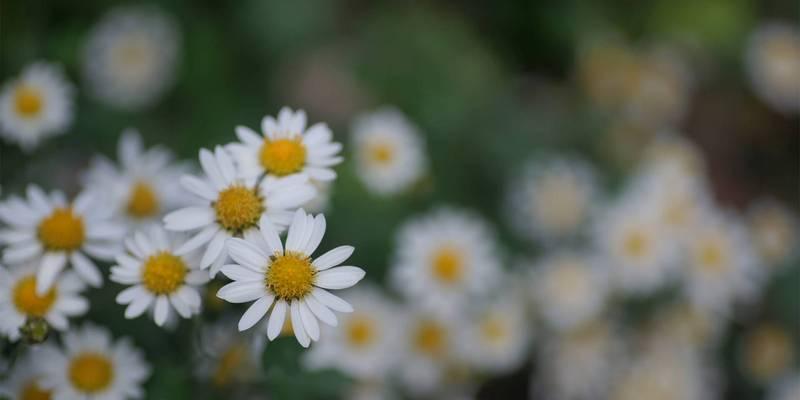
point(159, 278)
point(93, 366)
point(552, 199)
point(684, 326)
point(269, 273)
point(226, 357)
point(286, 148)
point(25, 380)
point(767, 352)
point(787, 388)
point(773, 63)
point(366, 341)
point(664, 373)
point(604, 70)
point(233, 206)
point(36, 105)
point(672, 151)
point(142, 188)
point(775, 230)
point(444, 258)
point(429, 347)
point(59, 232)
point(389, 151)
point(19, 300)
point(569, 288)
point(321, 200)
point(130, 57)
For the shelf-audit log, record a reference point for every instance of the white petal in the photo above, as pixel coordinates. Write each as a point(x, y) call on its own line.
point(255, 313)
point(339, 277)
point(209, 164)
point(323, 313)
point(214, 249)
point(197, 240)
point(331, 301)
point(242, 292)
point(189, 218)
point(128, 295)
point(190, 297)
point(296, 231)
point(248, 136)
point(181, 307)
point(225, 164)
point(270, 234)
point(247, 254)
point(20, 253)
point(316, 236)
point(138, 306)
point(86, 269)
point(309, 321)
point(199, 187)
point(333, 257)
point(51, 265)
point(276, 319)
point(239, 273)
point(297, 324)
point(162, 310)
point(321, 174)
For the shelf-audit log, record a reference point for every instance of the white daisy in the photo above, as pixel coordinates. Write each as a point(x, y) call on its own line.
point(787, 388)
point(444, 258)
point(285, 147)
point(93, 367)
point(657, 94)
point(569, 288)
point(775, 230)
point(142, 187)
point(288, 277)
point(552, 199)
point(773, 62)
point(25, 380)
point(681, 325)
point(130, 57)
point(159, 278)
point(36, 105)
point(20, 301)
point(226, 357)
point(670, 151)
point(428, 352)
point(389, 151)
point(60, 232)
point(361, 344)
point(233, 206)
point(767, 352)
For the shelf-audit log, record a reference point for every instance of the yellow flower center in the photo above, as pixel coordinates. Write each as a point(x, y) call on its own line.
point(238, 208)
point(430, 338)
point(381, 153)
point(142, 201)
point(91, 372)
point(229, 363)
point(32, 391)
point(28, 302)
point(636, 244)
point(769, 352)
point(493, 329)
point(163, 273)
point(711, 256)
point(290, 276)
point(283, 156)
point(360, 331)
point(62, 230)
point(447, 264)
point(28, 101)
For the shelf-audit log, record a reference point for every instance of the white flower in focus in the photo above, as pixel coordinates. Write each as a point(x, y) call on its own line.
point(36, 105)
point(92, 366)
point(59, 232)
point(389, 151)
point(227, 357)
point(233, 206)
point(787, 388)
point(775, 231)
point(288, 278)
point(773, 63)
point(130, 57)
point(20, 301)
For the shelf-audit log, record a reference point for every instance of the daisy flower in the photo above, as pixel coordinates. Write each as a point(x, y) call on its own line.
point(91, 366)
point(666, 374)
point(772, 59)
point(142, 187)
point(569, 288)
point(285, 147)
point(604, 70)
point(25, 380)
point(428, 351)
point(36, 105)
point(767, 352)
point(226, 357)
point(552, 199)
point(389, 151)
point(158, 277)
point(232, 206)
point(671, 151)
point(59, 232)
point(659, 89)
point(443, 258)
point(787, 388)
point(130, 57)
point(362, 340)
point(269, 273)
point(19, 300)
point(684, 326)
point(775, 230)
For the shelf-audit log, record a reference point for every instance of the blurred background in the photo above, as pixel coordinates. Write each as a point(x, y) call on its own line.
point(491, 88)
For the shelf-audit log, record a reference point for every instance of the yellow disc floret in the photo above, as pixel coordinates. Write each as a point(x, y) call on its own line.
point(91, 372)
point(447, 265)
point(28, 302)
point(493, 329)
point(238, 208)
point(381, 153)
point(636, 244)
point(283, 156)
point(142, 201)
point(28, 101)
point(163, 273)
point(430, 338)
point(360, 331)
point(62, 230)
point(32, 391)
point(290, 276)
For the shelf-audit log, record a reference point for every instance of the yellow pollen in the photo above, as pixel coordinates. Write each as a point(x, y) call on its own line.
point(493, 329)
point(636, 244)
point(28, 302)
point(238, 208)
point(360, 331)
point(32, 391)
point(91, 372)
point(381, 153)
point(429, 338)
point(290, 276)
point(447, 265)
point(62, 230)
point(163, 273)
point(28, 101)
point(142, 201)
point(283, 156)
point(229, 363)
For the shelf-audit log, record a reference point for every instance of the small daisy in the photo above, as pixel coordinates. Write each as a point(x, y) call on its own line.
point(285, 147)
point(671, 151)
point(233, 207)
point(289, 278)
point(226, 357)
point(428, 351)
point(389, 151)
point(159, 278)
point(787, 388)
point(36, 105)
point(20, 301)
point(666, 374)
point(659, 88)
point(130, 57)
point(775, 230)
point(443, 258)
point(25, 380)
point(142, 188)
point(570, 288)
point(552, 199)
point(767, 352)
point(685, 326)
point(93, 367)
point(360, 344)
point(61, 233)
point(773, 62)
